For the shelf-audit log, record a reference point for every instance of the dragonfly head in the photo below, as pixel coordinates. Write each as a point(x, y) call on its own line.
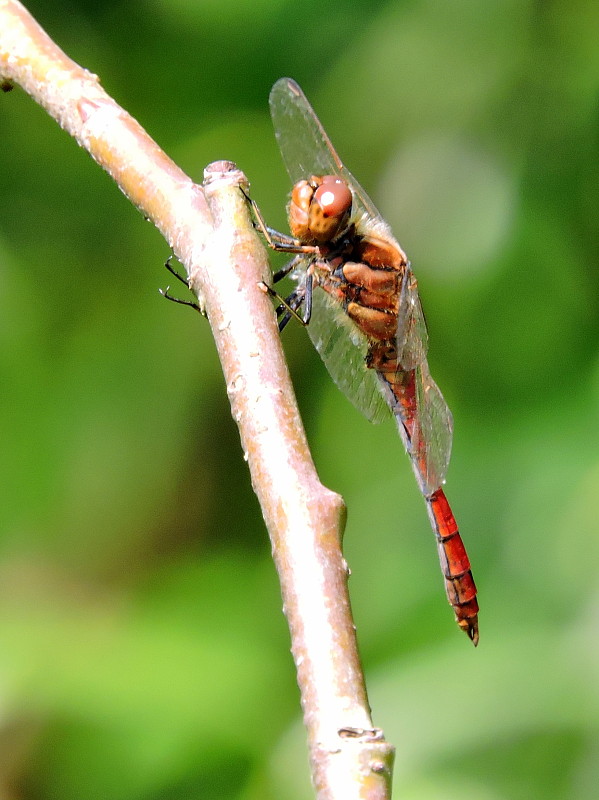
point(320, 209)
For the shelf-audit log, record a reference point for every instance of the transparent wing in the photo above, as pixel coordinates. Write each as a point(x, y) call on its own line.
point(305, 145)
point(424, 423)
point(412, 335)
point(307, 150)
point(431, 442)
point(430, 446)
point(343, 349)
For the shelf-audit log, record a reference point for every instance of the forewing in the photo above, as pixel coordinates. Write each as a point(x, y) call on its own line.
point(305, 145)
point(307, 150)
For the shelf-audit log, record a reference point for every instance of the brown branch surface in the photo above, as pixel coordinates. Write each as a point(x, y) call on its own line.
point(213, 236)
point(349, 758)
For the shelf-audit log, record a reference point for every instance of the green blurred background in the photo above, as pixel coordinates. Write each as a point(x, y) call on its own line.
point(143, 652)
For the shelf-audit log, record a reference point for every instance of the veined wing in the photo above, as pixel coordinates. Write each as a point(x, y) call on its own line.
point(305, 145)
point(434, 430)
point(307, 150)
point(412, 335)
point(433, 434)
point(424, 423)
point(430, 446)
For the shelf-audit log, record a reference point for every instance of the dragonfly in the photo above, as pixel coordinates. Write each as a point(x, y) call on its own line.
point(357, 295)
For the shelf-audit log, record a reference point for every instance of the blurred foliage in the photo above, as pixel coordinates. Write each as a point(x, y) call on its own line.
point(143, 653)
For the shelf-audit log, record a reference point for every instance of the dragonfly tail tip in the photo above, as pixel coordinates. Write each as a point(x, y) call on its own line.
point(470, 628)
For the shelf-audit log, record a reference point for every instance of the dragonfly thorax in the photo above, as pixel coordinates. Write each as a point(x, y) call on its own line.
point(320, 209)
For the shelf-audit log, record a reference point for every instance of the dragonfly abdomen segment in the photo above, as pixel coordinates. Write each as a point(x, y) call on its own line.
point(455, 564)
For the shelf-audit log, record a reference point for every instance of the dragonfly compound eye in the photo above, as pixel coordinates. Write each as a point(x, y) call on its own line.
point(333, 196)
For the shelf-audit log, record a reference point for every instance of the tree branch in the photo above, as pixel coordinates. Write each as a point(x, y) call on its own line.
point(211, 232)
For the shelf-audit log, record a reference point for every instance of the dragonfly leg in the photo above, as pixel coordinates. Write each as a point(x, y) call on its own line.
point(308, 288)
point(165, 292)
point(288, 306)
point(284, 271)
point(274, 239)
point(174, 272)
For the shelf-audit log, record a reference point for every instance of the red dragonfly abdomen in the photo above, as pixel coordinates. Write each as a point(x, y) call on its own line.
point(455, 564)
